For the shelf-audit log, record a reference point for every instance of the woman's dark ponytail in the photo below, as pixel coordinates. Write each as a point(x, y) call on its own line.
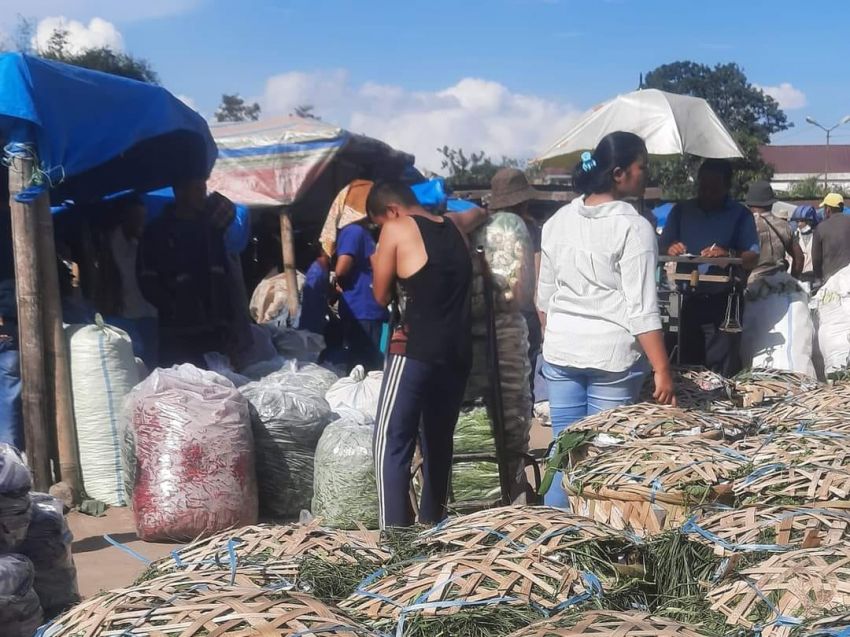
point(594, 173)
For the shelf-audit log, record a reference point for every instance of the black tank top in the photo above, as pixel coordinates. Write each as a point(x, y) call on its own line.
point(435, 325)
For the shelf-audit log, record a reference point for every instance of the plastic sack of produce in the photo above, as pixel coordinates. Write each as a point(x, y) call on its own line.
point(270, 301)
point(103, 371)
point(300, 345)
point(510, 255)
point(778, 328)
point(15, 507)
point(289, 416)
point(832, 310)
point(344, 488)
point(309, 376)
point(48, 546)
point(189, 455)
point(359, 391)
point(20, 611)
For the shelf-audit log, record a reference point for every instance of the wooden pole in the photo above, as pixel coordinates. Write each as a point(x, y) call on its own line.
point(30, 325)
point(56, 352)
point(287, 242)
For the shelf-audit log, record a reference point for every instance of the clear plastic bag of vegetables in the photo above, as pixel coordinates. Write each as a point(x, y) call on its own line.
point(289, 416)
point(20, 611)
point(188, 455)
point(48, 546)
point(15, 507)
point(345, 492)
point(510, 256)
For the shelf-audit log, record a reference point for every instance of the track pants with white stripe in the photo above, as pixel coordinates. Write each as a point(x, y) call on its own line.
point(418, 400)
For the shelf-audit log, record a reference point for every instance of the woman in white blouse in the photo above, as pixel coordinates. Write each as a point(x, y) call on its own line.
point(597, 293)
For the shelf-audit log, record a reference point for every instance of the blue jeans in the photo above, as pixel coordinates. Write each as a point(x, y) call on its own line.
point(11, 416)
point(575, 393)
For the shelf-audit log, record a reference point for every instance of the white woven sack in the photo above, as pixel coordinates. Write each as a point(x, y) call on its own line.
point(832, 309)
point(359, 391)
point(778, 329)
point(103, 371)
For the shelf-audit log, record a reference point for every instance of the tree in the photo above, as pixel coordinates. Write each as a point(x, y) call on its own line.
point(305, 111)
point(812, 188)
point(101, 59)
point(474, 169)
point(749, 114)
point(234, 109)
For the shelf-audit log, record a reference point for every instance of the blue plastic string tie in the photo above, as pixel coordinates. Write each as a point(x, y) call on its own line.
point(231, 554)
point(126, 549)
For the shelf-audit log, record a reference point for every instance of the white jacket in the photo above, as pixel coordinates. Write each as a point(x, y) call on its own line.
point(597, 285)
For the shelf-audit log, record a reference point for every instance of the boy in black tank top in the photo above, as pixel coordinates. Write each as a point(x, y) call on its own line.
point(430, 353)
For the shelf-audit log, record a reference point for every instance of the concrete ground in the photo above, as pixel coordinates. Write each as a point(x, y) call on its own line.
point(102, 566)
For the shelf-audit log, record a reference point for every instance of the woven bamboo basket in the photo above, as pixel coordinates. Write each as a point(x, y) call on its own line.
point(252, 545)
point(198, 606)
point(696, 387)
point(765, 386)
point(819, 480)
point(800, 585)
point(607, 624)
point(773, 528)
point(646, 420)
point(451, 583)
point(539, 529)
point(650, 485)
point(793, 447)
point(829, 400)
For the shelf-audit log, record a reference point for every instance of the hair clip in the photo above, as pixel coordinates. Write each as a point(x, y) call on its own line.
point(588, 163)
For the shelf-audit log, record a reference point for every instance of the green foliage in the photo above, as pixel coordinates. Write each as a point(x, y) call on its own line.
point(749, 114)
point(812, 188)
point(234, 109)
point(305, 111)
point(101, 59)
point(474, 169)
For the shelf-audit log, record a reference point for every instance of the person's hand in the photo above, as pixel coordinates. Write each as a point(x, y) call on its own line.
point(221, 211)
point(664, 392)
point(677, 249)
point(714, 252)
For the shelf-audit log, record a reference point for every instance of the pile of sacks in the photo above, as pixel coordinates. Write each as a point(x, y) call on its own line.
point(37, 574)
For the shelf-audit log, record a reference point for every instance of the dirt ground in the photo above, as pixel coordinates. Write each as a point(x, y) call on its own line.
point(102, 566)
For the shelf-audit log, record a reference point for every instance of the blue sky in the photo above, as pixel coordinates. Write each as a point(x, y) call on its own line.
point(503, 75)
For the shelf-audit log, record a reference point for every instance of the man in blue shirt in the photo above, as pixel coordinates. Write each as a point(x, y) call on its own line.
point(362, 318)
point(712, 225)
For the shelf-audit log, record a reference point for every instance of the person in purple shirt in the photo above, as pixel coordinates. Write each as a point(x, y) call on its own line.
point(362, 318)
point(712, 225)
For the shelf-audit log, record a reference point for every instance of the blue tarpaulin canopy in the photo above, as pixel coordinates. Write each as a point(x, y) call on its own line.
point(95, 134)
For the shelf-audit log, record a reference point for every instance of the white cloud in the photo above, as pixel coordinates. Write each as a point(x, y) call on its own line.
point(114, 10)
point(188, 101)
point(473, 114)
point(786, 95)
point(97, 34)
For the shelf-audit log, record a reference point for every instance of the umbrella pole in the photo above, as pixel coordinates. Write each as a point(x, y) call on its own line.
point(287, 243)
point(58, 370)
point(30, 325)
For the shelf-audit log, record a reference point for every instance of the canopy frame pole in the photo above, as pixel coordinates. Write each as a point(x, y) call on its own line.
point(30, 323)
point(58, 370)
point(287, 244)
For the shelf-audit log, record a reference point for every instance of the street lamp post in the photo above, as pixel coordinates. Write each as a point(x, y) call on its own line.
point(828, 132)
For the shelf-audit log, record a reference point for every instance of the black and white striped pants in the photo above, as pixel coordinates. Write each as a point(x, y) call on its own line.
point(417, 400)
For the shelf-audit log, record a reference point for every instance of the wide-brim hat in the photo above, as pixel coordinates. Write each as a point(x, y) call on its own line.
point(509, 187)
point(760, 194)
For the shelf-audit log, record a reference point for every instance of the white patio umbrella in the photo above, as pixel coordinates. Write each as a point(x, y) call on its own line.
point(670, 124)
